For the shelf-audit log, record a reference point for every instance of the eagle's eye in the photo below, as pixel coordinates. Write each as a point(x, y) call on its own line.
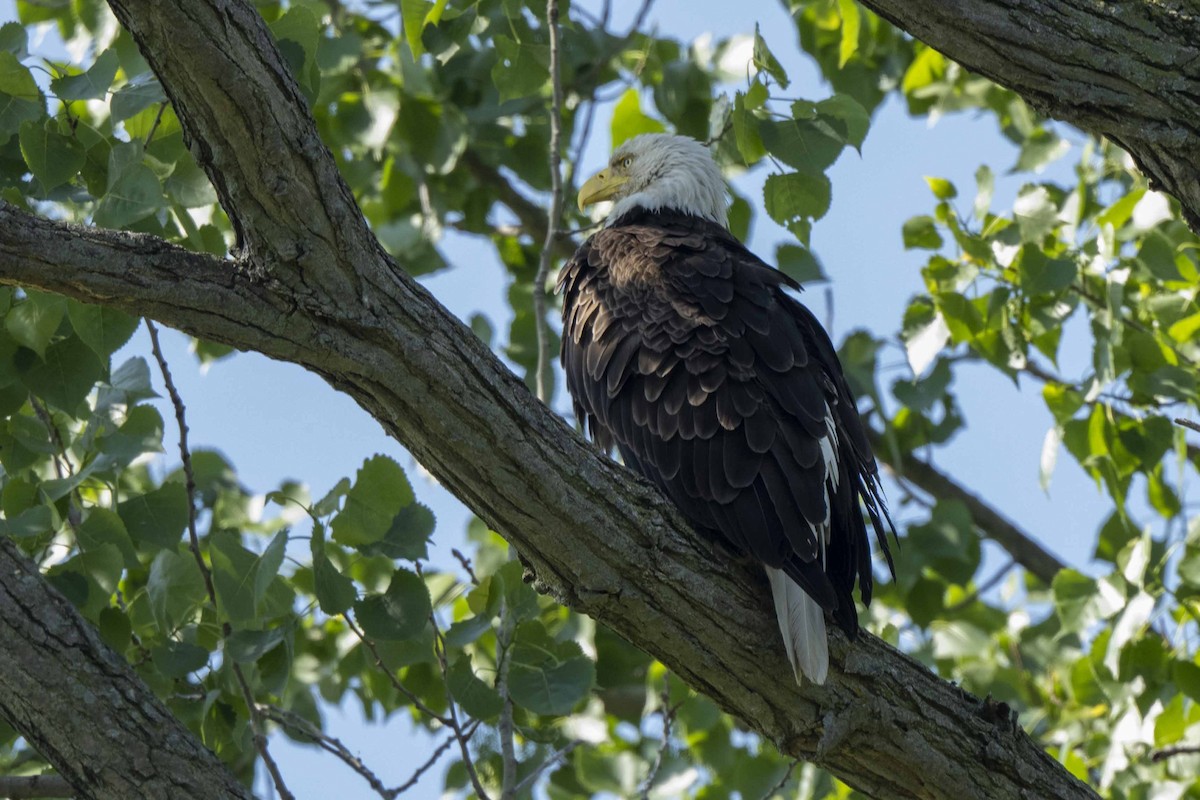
point(627, 161)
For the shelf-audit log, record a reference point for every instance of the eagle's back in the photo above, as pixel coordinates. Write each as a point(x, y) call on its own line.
point(682, 350)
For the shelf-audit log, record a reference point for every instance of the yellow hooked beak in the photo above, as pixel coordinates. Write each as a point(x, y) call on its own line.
point(601, 186)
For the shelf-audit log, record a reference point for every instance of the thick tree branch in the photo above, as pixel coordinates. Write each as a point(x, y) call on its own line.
point(1129, 71)
point(52, 663)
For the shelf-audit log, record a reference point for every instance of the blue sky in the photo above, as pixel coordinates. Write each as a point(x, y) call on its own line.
point(275, 421)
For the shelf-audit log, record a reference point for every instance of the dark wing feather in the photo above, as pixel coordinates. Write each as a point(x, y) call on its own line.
point(683, 350)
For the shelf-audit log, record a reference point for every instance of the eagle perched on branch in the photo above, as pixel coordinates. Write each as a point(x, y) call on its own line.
point(684, 351)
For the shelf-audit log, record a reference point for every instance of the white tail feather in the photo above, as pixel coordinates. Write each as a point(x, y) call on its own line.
point(802, 623)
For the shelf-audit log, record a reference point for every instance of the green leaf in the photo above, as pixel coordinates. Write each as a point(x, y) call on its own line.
point(52, 157)
point(921, 232)
point(35, 320)
point(104, 527)
point(1042, 275)
point(1035, 213)
point(551, 688)
point(401, 613)
point(139, 94)
point(799, 264)
point(267, 565)
point(795, 194)
point(521, 68)
point(134, 195)
point(848, 46)
point(20, 98)
point(101, 328)
point(413, 13)
point(942, 189)
point(66, 374)
point(1186, 675)
point(475, 697)
point(179, 659)
point(158, 517)
point(14, 39)
point(242, 578)
point(1039, 150)
point(175, 587)
point(380, 491)
point(745, 130)
point(335, 592)
point(809, 146)
point(246, 647)
point(91, 85)
point(408, 536)
point(298, 32)
point(629, 121)
point(764, 59)
point(849, 112)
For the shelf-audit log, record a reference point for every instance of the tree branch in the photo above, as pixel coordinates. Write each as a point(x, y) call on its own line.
point(993, 525)
point(1128, 71)
point(82, 707)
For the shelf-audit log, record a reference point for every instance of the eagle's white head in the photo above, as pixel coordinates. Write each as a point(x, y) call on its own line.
point(658, 171)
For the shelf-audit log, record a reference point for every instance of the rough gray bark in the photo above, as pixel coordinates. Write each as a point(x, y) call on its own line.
point(315, 289)
point(83, 707)
point(1129, 71)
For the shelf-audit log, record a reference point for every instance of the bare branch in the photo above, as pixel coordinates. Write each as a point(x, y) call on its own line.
point(544, 374)
point(782, 782)
point(1170, 752)
point(327, 743)
point(1187, 423)
point(400, 687)
point(668, 719)
point(185, 454)
point(504, 727)
point(558, 755)
point(991, 523)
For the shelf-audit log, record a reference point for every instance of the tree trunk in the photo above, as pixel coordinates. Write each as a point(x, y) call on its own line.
point(83, 708)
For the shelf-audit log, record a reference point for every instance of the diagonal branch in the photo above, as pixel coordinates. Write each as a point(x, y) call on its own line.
point(1128, 71)
point(993, 525)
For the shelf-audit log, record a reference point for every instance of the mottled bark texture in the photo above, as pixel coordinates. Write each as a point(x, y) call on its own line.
point(313, 287)
point(83, 707)
point(1127, 70)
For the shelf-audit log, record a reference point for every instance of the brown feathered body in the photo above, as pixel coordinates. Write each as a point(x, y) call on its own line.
point(684, 351)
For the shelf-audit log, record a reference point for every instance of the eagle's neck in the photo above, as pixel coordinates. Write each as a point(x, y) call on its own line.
point(702, 197)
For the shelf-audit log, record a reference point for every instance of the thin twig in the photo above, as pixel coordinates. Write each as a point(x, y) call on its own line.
point(20, 787)
point(439, 650)
point(400, 687)
point(787, 776)
point(504, 727)
point(466, 564)
point(1187, 423)
point(433, 759)
point(668, 718)
point(1168, 752)
point(543, 383)
point(983, 588)
point(564, 751)
point(332, 744)
point(1027, 552)
point(62, 462)
point(185, 454)
point(154, 128)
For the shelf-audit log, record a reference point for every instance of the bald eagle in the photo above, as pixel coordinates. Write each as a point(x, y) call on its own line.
point(684, 350)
